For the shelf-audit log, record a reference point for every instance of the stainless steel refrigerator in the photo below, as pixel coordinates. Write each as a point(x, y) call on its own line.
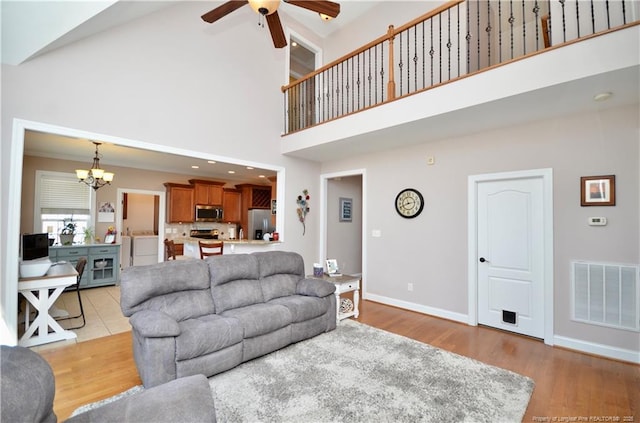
point(259, 223)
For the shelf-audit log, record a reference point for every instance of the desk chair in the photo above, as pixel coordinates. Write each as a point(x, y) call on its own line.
point(80, 265)
point(210, 248)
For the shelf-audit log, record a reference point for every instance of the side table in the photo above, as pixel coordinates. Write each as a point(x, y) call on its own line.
point(344, 283)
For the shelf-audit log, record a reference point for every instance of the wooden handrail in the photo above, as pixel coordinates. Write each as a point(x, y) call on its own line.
point(388, 36)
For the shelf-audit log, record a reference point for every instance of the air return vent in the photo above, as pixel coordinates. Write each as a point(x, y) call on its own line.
point(606, 294)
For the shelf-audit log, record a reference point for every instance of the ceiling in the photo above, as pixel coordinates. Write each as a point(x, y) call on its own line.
point(36, 28)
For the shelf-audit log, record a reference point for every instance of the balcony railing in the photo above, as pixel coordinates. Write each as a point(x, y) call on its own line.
point(458, 39)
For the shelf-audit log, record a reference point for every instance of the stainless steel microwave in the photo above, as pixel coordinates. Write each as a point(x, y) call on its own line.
point(206, 213)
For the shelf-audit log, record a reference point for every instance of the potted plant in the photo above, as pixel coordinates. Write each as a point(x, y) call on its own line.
point(68, 232)
point(88, 235)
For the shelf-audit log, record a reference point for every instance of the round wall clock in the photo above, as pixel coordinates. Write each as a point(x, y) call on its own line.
point(409, 203)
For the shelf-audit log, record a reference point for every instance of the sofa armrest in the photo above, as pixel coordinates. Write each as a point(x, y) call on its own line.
point(187, 399)
point(154, 324)
point(315, 288)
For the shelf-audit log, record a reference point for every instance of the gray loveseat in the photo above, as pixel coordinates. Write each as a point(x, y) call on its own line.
point(208, 316)
point(27, 391)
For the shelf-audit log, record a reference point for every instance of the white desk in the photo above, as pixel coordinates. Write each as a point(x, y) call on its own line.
point(57, 278)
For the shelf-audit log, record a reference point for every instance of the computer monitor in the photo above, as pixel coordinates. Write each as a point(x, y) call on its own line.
point(35, 246)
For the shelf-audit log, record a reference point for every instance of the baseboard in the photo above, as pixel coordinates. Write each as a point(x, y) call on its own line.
point(432, 311)
point(597, 349)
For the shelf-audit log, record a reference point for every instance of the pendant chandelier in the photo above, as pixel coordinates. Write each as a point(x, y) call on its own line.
point(95, 177)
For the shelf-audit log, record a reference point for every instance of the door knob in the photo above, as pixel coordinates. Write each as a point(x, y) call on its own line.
point(482, 260)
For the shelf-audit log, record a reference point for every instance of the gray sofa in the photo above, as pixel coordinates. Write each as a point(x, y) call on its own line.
point(27, 391)
point(208, 316)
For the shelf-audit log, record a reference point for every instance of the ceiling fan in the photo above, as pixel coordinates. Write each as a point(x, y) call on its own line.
point(269, 9)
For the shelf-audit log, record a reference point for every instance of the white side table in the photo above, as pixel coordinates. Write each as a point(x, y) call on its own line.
point(344, 283)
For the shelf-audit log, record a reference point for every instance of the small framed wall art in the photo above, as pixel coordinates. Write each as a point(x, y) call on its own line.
point(346, 209)
point(598, 190)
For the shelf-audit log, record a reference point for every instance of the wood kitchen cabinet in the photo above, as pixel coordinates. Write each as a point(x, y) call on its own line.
point(208, 193)
point(231, 205)
point(180, 203)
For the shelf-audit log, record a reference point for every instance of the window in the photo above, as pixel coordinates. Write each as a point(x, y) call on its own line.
point(60, 198)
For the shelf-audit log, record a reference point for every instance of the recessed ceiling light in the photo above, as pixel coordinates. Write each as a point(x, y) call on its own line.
point(294, 44)
point(261, 176)
point(249, 168)
point(231, 171)
point(602, 96)
point(211, 162)
point(195, 167)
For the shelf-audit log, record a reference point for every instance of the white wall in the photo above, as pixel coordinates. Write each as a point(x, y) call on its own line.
point(169, 80)
point(431, 250)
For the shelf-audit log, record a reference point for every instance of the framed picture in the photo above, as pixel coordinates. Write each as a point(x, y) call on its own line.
point(110, 238)
point(346, 209)
point(332, 266)
point(598, 190)
point(274, 204)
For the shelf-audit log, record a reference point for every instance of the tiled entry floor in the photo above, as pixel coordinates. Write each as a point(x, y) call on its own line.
point(101, 310)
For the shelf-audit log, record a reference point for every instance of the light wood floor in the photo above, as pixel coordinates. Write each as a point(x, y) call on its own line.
point(569, 385)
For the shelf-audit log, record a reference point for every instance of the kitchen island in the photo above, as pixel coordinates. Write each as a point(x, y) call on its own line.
point(231, 246)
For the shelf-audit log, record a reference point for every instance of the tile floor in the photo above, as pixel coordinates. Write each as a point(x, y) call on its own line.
point(102, 313)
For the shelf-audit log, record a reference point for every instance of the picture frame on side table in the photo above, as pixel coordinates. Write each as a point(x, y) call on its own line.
point(346, 209)
point(598, 190)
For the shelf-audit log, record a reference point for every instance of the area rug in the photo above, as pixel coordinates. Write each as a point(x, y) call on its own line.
point(358, 373)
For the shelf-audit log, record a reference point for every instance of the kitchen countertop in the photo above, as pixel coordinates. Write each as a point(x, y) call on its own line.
point(182, 240)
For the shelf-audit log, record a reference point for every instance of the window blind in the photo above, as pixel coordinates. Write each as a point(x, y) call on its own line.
point(64, 195)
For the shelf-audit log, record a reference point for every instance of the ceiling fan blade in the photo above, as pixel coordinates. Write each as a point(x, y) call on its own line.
point(275, 28)
point(223, 10)
point(321, 6)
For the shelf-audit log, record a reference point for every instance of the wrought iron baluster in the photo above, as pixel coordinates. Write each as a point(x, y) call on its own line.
point(449, 44)
point(478, 33)
point(415, 57)
point(440, 47)
point(606, 3)
point(488, 31)
point(400, 64)
point(511, 20)
point(536, 10)
point(382, 48)
point(624, 11)
point(593, 19)
point(358, 80)
point(458, 33)
point(578, 18)
point(468, 39)
point(564, 22)
point(432, 51)
point(375, 75)
point(499, 32)
point(369, 76)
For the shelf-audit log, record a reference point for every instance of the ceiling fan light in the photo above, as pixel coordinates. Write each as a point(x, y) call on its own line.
point(325, 17)
point(264, 7)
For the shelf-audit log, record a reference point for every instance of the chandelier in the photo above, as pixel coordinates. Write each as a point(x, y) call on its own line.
point(95, 177)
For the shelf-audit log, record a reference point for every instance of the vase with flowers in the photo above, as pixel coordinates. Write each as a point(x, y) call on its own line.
point(303, 208)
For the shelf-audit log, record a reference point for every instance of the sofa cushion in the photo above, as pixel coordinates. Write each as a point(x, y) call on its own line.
point(205, 335)
point(234, 281)
point(303, 308)
point(260, 319)
point(280, 272)
point(180, 289)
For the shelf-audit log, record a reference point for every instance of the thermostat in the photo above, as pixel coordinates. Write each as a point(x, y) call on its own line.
point(597, 221)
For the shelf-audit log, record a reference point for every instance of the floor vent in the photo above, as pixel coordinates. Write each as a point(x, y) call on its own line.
point(606, 294)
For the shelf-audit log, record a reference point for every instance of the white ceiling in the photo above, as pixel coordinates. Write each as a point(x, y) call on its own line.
point(33, 28)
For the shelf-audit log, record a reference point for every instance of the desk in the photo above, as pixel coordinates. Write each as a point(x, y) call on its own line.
point(344, 283)
point(57, 279)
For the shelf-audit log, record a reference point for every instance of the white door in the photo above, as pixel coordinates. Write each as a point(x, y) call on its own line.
point(510, 247)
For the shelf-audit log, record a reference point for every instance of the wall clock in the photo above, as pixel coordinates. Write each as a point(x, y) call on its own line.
point(409, 203)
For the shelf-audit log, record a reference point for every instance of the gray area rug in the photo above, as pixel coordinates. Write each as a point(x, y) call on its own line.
point(358, 373)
